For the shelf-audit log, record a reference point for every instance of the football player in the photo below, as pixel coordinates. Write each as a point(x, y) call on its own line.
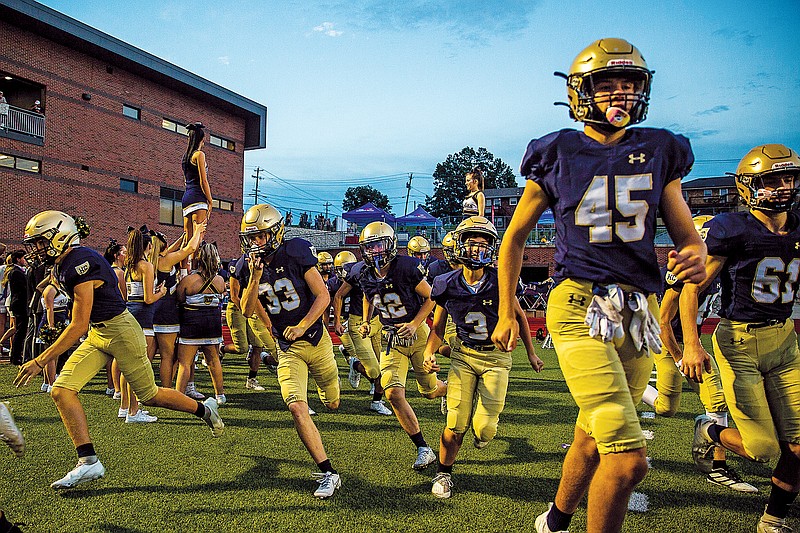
point(333, 282)
point(665, 397)
point(325, 265)
point(395, 286)
point(366, 351)
point(756, 253)
point(287, 291)
point(437, 268)
point(604, 185)
point(52, 238)
point(249, 335)
point(478, 370)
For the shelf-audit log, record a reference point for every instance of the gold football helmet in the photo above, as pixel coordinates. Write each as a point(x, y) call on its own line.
point(342, 259)
point(265, 220)
point(599, 61)
point(765, 161)
point(474, 255)
point(419, 247)
point(449, 247)
point(325, 263)
point(378, 244)
point(48, 235)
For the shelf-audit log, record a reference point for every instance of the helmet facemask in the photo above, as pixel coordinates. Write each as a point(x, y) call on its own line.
point(273, 236)
point(767, 190)
point(378, 252)
point(622, 109)
point(475, 254)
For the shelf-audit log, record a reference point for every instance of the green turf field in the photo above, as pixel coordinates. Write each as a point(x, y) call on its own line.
point(173, 476)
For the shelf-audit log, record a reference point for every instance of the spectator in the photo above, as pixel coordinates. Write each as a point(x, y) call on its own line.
point(3, 310)
point(2, 98)
point(37, 107)
point(17, 288)
point(4, 111)
point(289, 218)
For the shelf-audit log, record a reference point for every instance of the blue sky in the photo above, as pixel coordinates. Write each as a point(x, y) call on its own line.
point(366, 91)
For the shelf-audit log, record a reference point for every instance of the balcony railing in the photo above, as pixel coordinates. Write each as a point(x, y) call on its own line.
point(21, 121)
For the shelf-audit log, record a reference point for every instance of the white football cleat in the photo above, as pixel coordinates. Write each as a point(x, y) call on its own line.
point(379, 407)
point(252, 384)
point(541, 522)
point(425, 457)
point(212, 418)
point(141, 417)
point(82, 473)
point(9, 432)
point(221, 399)
point(192, 392)
point(702, 446)
point(727, 477)
point(354, 376)
point(442, 485)
point(328, 483)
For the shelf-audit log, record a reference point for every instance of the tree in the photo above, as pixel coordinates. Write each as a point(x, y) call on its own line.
point(448, 179)
point(357, 196)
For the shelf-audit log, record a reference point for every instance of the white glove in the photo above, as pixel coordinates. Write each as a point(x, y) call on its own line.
point(644, 329)
point(603, 315)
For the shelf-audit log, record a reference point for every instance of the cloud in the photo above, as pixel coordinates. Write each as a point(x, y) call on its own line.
point(467, 21)
point(713, 111)
point(326, 28)
point(224, 60)
point(733, 34)
point(698, 134)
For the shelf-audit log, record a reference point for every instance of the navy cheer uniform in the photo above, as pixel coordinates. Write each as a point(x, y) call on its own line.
point(194, 199)
point(201, 320)
point(165, 310)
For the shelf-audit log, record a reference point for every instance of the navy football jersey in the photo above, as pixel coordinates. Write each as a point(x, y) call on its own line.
point(474, 312)
point(759, 277)
point(284, 293)
point(241, 271)
point(437, 267)
point(84, 264)
point(604, 200)
point(353, 273)
point(394, 296)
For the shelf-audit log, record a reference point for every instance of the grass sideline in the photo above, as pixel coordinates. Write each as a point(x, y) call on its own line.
point(173, 476)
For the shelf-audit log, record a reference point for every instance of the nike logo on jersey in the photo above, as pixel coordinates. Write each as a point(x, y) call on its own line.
point(633, 158)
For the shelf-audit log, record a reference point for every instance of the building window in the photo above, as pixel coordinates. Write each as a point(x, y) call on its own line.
point(170, 210)
point(223, 205)
point(172, 125)
point(222, 143)
point(707, 193)
point(20, 163)
point(723, 192)
point(131, 112)
point(512, 201)
point(128, 185)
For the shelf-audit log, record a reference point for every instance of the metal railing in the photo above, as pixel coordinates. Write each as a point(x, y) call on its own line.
point(21, 121)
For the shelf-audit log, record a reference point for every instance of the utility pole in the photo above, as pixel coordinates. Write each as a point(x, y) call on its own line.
point(408, 193)
point(258, 178)
point(326, 205)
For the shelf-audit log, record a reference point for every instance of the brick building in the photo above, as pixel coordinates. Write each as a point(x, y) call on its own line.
point(711, 196)
point(108, 142)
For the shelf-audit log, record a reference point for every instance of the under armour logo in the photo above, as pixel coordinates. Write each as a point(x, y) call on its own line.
point(487, 302)
point(737, 341)
point(279, 270)
point(797, 246)
point(632, 158)
point(577, 300)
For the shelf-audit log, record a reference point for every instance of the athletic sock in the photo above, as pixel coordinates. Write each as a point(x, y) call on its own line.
point(252, 374)
point(418, 440)
point(86, 453)
point(719, 464)
point(714, 431)
point(445, 469)
point(558, 520)
point(200, 412)
point(325, 466)
point(779, 502)
point(376, 395)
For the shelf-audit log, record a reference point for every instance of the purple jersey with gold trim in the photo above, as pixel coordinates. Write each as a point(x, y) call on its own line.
point(473, 310)
point(604, 200)
point(83, 264)
point(704, 302)
point(759, 277)
point(435, 268)
point(284, 293)
point(395, 296)
point(353, 273)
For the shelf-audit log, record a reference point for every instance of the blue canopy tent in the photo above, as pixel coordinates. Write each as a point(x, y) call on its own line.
point(547, 218)
point(418, 217)
point(367, 213)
